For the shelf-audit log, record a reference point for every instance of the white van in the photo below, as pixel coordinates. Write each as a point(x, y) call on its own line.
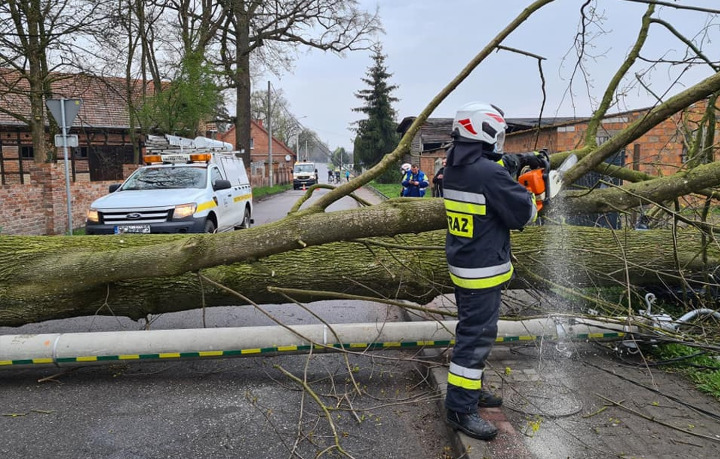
point(304, 174)
point(200, 187)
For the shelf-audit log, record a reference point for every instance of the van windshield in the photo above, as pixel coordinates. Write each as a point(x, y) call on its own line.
point(164, 178)
point(304, 168)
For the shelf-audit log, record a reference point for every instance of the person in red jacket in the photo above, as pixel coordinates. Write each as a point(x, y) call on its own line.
point(483, 202)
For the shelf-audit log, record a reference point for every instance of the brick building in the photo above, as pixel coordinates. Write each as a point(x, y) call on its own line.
point(283, 157)
point(662, 150)
point(102, 125)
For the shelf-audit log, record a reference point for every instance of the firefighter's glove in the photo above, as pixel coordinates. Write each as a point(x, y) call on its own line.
point(531, 160)
point(511, 164)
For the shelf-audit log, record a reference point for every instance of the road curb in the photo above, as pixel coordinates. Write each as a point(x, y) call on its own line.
point(508, 444)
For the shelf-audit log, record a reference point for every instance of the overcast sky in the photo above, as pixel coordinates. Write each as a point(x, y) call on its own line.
point(427, 42)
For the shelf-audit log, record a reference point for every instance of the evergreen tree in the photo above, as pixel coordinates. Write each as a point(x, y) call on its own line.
point(376, 135)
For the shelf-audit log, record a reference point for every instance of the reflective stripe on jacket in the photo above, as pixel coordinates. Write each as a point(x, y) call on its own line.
point(482, 203)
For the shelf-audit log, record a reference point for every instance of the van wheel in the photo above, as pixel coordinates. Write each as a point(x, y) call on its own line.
point(246, 220)
point(209, 226)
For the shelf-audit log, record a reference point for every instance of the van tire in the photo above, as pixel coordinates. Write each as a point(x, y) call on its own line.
point(246, 219)
point(209, 226)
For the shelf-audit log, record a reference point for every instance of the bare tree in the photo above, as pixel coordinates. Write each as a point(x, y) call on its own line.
point(329, 25)
point(284, 125)
point(36, 39)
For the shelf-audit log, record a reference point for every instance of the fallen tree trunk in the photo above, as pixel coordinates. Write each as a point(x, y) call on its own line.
point(408, 266)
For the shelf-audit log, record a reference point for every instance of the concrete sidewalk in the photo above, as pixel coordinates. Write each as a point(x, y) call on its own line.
point(584, 400)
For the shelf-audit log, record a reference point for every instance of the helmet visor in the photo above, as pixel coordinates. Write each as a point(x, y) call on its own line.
point(500, 143)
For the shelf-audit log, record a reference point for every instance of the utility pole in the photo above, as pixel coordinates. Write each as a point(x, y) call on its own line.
point(269, 128)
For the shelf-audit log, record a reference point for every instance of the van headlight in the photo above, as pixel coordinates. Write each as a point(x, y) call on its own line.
point(185, 210)
point(93, 215)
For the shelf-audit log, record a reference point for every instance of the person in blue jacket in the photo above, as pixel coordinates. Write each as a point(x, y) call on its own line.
point(483, 202)
point(415, 182)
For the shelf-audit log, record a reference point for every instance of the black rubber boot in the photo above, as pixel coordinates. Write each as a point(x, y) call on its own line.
point(489, 400)
point(471, 424)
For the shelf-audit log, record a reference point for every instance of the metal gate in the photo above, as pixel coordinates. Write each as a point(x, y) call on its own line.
point(597, 180)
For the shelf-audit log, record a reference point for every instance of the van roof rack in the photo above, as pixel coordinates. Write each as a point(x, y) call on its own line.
point(172, 144)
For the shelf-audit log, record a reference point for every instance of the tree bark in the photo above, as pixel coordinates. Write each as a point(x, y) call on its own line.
point(60, 277)
point(35, 80)
point(242, 81)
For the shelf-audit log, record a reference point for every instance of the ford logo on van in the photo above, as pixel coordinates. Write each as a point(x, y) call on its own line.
point(133, 216)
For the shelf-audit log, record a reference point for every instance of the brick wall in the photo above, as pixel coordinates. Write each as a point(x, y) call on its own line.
point(22, 209)
point(39, 206)
point(658, 151)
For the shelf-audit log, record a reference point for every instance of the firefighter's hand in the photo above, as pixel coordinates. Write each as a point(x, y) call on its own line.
point(532, 160)
point(511, 164)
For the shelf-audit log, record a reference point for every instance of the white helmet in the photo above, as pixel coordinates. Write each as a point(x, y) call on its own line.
point(481, 122)
point(405, 167)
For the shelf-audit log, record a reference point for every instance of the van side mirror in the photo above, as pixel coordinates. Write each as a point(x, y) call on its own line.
point(114, 187)
point(221, 184)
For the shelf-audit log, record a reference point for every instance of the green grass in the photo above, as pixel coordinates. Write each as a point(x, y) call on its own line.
point(392, 190)
point(703, 369)
point(261, 191)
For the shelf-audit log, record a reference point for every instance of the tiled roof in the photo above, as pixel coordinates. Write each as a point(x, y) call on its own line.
point(256, 127)
point(104, 102)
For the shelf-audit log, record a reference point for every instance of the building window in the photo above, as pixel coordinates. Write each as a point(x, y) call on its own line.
point(27, 152)
point(252, 143)
point(432, 146)
point(81, 152)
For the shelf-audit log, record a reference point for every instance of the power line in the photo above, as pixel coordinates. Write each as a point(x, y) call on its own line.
point(318, 142)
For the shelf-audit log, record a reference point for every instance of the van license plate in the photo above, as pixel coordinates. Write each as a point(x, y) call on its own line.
point(121, 229)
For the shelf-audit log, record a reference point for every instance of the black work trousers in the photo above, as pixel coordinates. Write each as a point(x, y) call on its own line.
point(478, 314)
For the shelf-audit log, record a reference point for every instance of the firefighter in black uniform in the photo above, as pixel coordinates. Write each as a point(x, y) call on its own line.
point(483, 202)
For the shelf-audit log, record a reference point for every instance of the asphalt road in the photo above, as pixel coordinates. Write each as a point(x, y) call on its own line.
point(373, 405)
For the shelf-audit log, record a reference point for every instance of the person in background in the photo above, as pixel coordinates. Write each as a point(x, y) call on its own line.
point(330, 175)
point(438, 180)
point(347, 175)
point(483, 202)
point(415, 183)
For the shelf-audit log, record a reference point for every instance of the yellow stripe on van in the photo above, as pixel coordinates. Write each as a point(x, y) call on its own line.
point(205, 206)
point(243, 197)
